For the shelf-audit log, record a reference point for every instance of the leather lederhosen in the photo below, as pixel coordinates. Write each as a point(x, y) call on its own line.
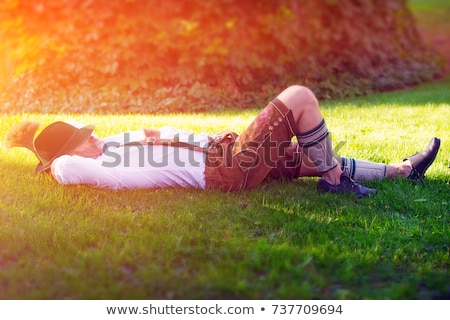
point(242, 162)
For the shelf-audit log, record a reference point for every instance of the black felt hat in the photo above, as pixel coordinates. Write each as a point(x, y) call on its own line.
point(57, 139)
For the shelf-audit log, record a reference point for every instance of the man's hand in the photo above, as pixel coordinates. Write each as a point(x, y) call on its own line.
point(152, 135)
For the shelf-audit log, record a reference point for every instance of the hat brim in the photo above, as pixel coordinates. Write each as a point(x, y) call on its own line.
point(78, 138)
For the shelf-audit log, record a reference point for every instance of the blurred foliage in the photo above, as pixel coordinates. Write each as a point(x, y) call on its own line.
point(192, 55)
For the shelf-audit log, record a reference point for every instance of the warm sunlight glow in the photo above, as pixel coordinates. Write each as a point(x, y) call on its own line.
point(128, 55)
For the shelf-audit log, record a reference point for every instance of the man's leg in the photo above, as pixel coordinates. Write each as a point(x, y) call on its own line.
point(413, 167)
point(313, 138)
point(361, 170)
point(295, 112)
point(296, 165)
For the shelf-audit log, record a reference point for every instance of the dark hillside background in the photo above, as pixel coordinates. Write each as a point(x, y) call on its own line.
point(115, 56)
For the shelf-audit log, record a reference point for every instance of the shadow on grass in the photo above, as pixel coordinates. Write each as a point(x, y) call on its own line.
point(394, 244)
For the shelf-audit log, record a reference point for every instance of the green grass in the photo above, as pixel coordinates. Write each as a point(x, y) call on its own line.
point(431, 15)
point(428, 5)
point(281, 241)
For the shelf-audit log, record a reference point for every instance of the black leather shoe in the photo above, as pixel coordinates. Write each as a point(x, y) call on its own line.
point(347, 185)
point(421, 161)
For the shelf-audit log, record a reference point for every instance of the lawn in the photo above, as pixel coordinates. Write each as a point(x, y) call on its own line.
point(283, 240)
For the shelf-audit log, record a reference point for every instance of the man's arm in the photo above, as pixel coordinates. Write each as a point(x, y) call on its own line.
point(166, 167)
point(75, 170)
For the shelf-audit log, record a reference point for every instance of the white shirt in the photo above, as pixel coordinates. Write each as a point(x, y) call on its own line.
point(141, 166)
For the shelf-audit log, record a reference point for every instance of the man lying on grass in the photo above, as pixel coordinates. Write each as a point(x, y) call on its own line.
point(174, 158)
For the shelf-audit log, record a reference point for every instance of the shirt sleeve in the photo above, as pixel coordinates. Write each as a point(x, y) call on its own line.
point(72, 170)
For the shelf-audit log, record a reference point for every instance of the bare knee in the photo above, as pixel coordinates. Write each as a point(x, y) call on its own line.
point(299, 99)
point(297, 96)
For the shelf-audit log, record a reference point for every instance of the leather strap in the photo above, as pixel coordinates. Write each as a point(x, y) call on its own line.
point(169, 143)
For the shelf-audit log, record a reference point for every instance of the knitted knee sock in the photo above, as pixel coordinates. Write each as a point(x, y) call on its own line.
point(316, 144)
point(361, 170)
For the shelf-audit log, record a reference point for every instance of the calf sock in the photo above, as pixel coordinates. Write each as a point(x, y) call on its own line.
point(361, 170)
point(316, 144)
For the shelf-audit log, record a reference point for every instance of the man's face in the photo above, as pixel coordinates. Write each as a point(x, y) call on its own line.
point(90, 148)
